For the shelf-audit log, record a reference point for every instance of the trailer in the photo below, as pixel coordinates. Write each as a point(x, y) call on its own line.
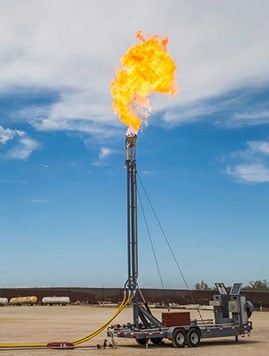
point(231, 319)
point(231, 311)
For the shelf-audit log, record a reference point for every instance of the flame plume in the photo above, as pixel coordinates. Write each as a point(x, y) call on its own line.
point(146, 68)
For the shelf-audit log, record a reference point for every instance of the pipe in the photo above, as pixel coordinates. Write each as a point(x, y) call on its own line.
point(130, 148)
point(132, 282)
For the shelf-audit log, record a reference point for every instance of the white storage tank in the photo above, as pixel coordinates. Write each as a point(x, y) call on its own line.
point(55, 300)
point(3, 301)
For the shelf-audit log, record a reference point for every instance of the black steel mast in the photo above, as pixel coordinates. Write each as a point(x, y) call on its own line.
point(130, 148)
point(141, 314)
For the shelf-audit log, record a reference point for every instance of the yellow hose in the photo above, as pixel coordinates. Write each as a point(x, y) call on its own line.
point(88, 337)
point(12, 346)
point(105, 325)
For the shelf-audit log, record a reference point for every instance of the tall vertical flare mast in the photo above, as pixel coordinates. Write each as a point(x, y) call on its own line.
point(130, 149)
point(141, 313)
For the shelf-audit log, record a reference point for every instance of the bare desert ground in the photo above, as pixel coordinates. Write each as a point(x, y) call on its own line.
point(55, 323)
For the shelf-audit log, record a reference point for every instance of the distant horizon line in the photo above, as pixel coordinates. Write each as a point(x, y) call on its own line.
point(92, 287)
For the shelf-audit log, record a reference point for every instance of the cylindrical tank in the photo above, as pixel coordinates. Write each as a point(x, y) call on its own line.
point(28, 300)
point(3, 301)
point(55, 300)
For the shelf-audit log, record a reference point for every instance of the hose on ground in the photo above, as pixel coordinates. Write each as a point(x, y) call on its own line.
point(88, 337)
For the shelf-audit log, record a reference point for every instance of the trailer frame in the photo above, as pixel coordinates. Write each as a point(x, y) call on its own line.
point(179, 335)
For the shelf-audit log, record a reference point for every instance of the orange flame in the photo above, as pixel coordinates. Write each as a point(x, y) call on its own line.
point(146, 68)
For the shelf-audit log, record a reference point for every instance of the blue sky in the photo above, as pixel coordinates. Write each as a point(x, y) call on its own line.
point(203, 158)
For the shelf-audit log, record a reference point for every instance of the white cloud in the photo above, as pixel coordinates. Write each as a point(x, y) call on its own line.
point(147, 172)
point(259, 147)
point(39, 201)
point(73, 47)
point(103, 155)
point(249, 118)
point(9, 134)
point(252, 115)
point(253, 173)
point(251, 164)
point(20, 146)
point(105, 152)
point(189, 113)
point(23, 149)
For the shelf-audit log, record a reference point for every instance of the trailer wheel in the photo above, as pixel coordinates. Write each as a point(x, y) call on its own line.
point(179, 338)
point(156, 340)
point(141, 341)
point(193, 338)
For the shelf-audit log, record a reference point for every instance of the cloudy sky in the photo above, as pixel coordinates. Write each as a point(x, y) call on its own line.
point(203, 159)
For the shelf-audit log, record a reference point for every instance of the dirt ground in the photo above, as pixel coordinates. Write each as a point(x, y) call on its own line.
point(55, 323)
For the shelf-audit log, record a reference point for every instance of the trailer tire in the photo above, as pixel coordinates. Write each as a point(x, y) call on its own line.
point(179, 338)
point(193, 337)
point(141, 341)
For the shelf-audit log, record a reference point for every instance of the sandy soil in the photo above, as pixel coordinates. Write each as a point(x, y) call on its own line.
point(45, 324)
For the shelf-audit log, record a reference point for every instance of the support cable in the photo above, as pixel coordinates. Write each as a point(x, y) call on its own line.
point(163, 233)
point(167, 242)
point(150, 239)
